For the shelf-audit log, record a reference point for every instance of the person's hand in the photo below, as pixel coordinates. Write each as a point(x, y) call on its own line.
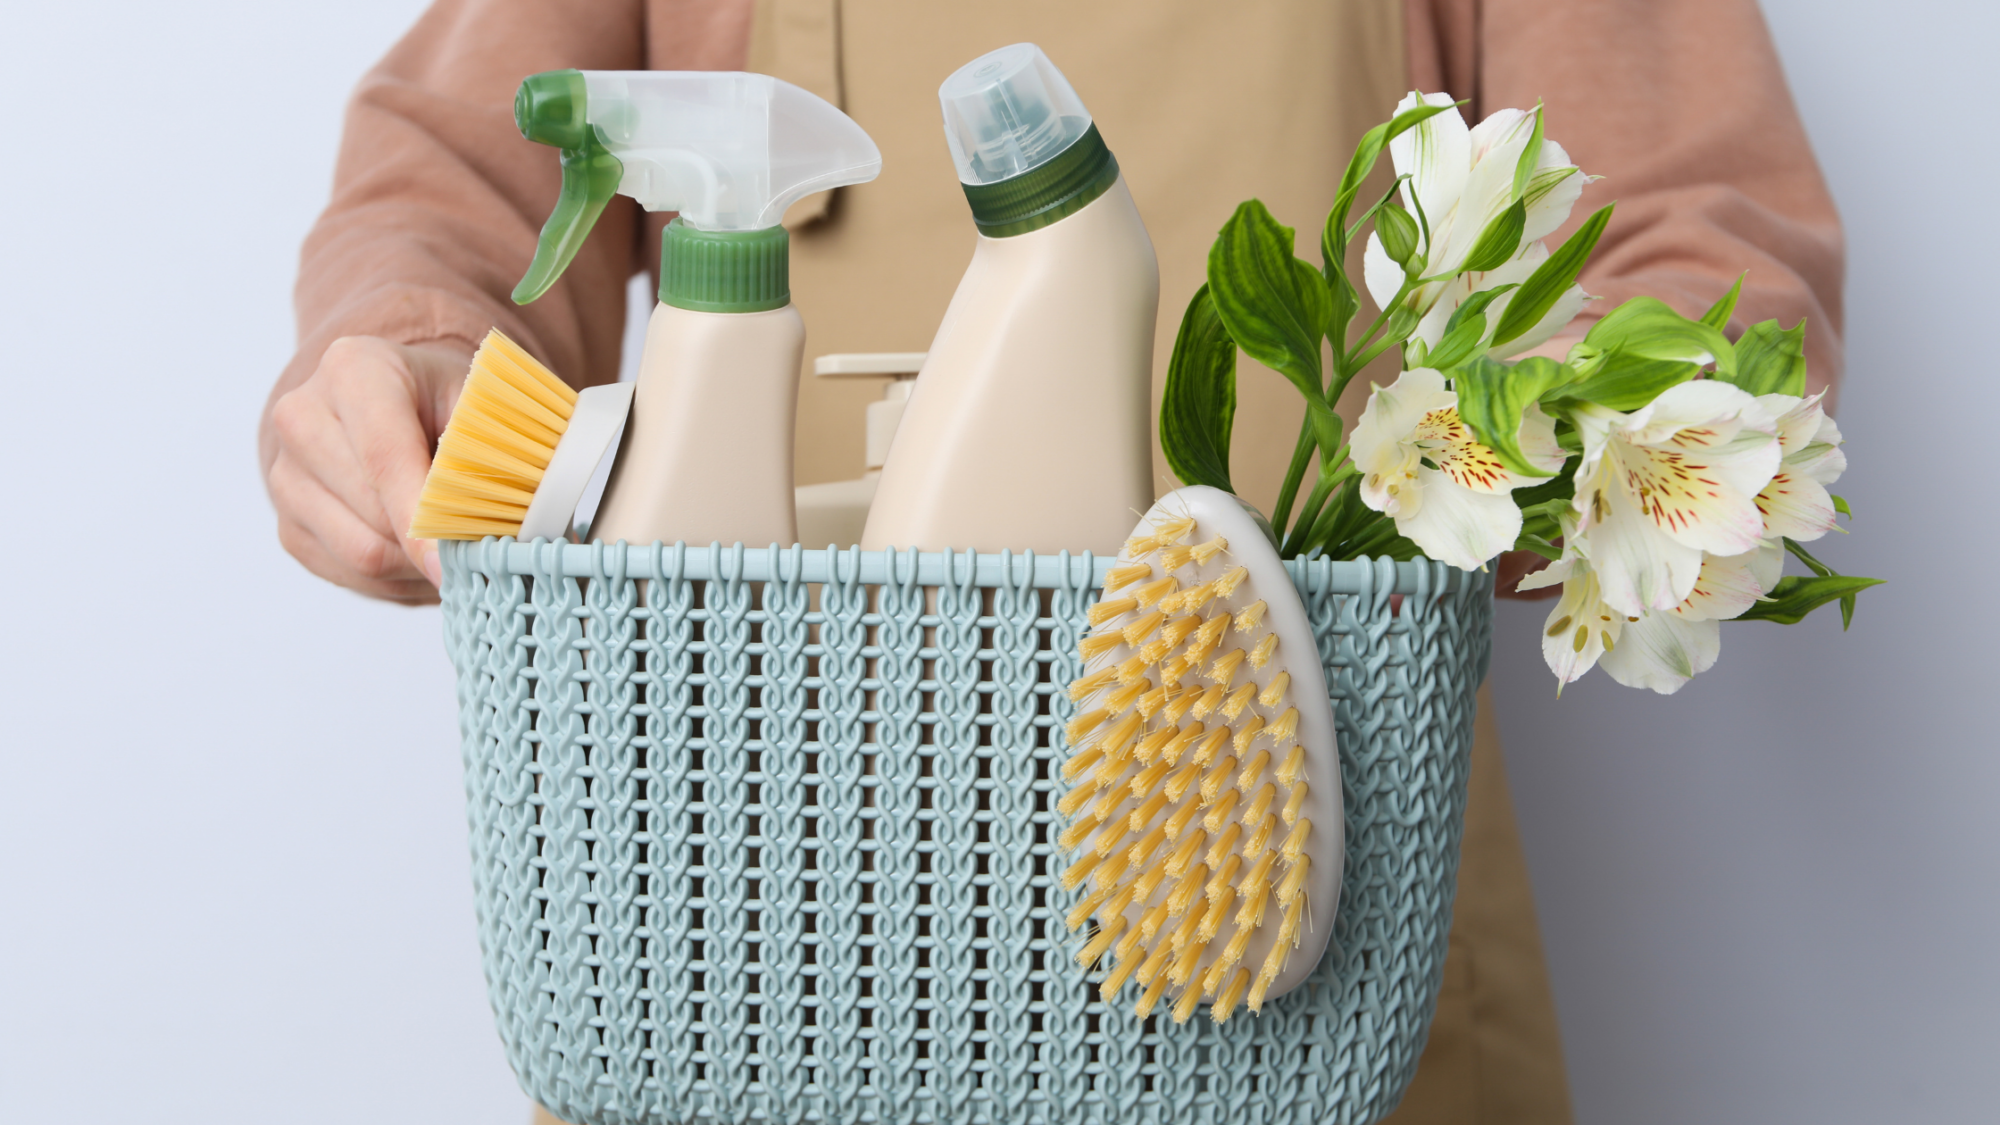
point(345, 456)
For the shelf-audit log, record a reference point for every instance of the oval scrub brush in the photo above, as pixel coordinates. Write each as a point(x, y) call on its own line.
point(1204, 800)
point(518, 451)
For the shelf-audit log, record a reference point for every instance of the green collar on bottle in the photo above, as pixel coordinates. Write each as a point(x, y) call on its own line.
point(1046, 194)
point(729, 271)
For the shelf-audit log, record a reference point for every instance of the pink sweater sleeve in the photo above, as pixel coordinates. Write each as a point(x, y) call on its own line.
point(1682, 107)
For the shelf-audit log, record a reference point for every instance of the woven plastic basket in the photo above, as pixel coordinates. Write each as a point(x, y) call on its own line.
point(757, 839)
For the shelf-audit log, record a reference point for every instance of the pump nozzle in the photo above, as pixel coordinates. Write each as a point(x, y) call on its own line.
point(728, 150)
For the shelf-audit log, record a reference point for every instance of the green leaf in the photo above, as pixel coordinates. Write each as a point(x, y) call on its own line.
point(1466, 329)
point(1524, 170)
point(1276, 306)
point(1281, 512)
point(1333, 242)
point(1840, 505)
point(1824, 571)
point(1492, 397)
point(1645, 328)
point(1500, 241)
point(1552, 494)
point(1718, 314)
point(1198, 406)
point(1771, 360)
point(1551, 280)
point(1345, 303)
point(1794, 597)
point(1624, 382)
point(1349, 529)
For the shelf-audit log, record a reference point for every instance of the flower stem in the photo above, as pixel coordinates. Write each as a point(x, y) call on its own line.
point(1301, 456)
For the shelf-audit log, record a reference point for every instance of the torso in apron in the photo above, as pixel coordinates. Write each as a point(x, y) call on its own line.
point(1205, 105)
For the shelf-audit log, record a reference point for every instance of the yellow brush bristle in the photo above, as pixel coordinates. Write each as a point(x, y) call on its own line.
point(1238, 700)
point(1225, 666)
point(1085, 723)
point(1253, 769)
point(1246, 730)
point(1191, 836)
point(1249, 617)
point(1082, 689)
point(510, 414)
point(1294, 803)
point(1128, 694)
point(1105, 611)
point(1275, 690)
point(1093, 647)
point(1225, 586)
point(1121, 576)
point(1211, 745)
point(1143, 627)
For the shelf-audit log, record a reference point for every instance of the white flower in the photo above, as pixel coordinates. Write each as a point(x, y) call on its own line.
point(1795, 503)
point(1420, 465)
point(1461, 180)
point(1661, 486)
point(1661, 650)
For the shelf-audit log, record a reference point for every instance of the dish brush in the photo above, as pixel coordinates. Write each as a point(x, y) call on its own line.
point(1203, 805)
point(518, 451)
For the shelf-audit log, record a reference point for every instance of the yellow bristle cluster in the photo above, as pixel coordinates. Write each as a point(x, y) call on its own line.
point(494, 450)
point(1187, 781)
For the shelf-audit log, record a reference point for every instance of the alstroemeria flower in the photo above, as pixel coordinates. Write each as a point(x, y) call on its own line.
point(1461, 180)
point(1660, 649)
point(1421, 465)
point(1661, 486)
point(1796, 504)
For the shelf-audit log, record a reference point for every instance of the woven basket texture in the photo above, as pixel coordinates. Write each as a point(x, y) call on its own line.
point(767, 836)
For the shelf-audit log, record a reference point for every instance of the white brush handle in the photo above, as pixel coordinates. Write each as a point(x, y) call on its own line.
point(593, 426)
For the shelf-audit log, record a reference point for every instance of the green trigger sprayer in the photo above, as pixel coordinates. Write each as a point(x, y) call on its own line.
point(708, 449)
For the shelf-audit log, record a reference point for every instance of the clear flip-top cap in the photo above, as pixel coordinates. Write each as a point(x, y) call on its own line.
point(1008, 112)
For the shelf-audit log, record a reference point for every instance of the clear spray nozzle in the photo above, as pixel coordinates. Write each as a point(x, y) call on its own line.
point(728, 150)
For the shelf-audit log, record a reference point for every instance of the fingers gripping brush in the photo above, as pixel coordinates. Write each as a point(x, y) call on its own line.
point(518, 451)
point(1204, 793)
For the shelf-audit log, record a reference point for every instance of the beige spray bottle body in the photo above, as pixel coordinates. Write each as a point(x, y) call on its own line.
point(1028, 426)
point(707, 455)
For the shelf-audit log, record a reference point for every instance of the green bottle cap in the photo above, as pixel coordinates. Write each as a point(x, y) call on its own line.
point(730, 271)
point(1046, 193)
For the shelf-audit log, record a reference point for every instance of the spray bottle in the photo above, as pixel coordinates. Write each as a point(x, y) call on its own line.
point(707, 455)
point(1028, 426)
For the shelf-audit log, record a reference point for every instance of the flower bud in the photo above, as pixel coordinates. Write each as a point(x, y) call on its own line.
point(1398, 232)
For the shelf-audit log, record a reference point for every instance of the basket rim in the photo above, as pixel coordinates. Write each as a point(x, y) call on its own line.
point(507, 557)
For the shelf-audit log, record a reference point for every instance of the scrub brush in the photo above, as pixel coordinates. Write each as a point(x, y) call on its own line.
point(1204, 801)
point(518, 451)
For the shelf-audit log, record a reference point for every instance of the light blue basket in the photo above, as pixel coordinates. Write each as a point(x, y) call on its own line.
point(757, 839)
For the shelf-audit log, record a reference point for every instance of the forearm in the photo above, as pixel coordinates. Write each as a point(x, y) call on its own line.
point(1681, 107)
point(437, 200)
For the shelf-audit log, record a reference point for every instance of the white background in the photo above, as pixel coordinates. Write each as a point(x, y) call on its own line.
point(233, 876)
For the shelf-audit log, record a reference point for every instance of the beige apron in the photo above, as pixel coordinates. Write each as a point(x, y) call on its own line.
point(1205, 105)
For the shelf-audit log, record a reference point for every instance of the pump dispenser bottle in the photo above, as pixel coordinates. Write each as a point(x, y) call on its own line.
point(707, 454)
point(1028, 425)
